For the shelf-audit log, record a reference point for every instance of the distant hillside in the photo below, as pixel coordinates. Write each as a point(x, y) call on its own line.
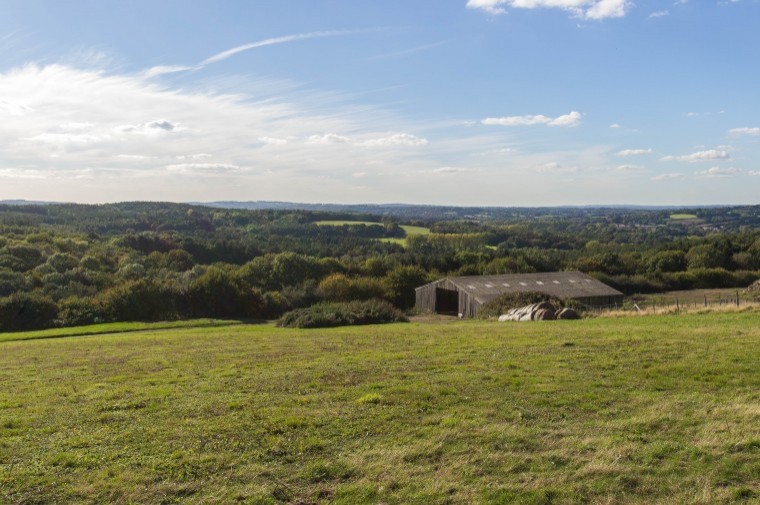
point(445, 212)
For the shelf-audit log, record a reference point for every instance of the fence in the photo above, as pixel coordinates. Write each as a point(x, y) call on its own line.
point(666, 303)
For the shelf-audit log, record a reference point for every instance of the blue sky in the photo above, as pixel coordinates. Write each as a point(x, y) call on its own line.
point(463, 102)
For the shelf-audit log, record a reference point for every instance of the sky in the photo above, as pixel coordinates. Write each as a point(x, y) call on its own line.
point(450, 102)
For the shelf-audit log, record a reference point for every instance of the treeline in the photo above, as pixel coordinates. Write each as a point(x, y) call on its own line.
point(77, 264)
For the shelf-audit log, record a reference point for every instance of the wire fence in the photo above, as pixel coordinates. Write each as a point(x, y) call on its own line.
point(669, 304)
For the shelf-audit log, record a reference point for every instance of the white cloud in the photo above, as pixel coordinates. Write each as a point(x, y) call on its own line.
point(64, 138)
point(754, 172)
point(614, 126)
point(206, 168)
point(149, 128)
point(554, 167)
point(71, 127)
point(571, 119)
point(709, 155)
point(396, 139)
point(133, 157)
point(166, 69)
point(630, 168)
point(273, 141)
point(659, 14)
point(586, 9)
point(14, 108)
point(755, 132)
point(329, 138)
point(450, 170)
point(634, 152)
point(668, 177)
point(719, 172)
point(196, 156)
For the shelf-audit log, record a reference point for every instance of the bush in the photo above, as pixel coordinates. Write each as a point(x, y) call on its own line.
point(339, 288)
point(141, 300)
point(26, 311)
point(326, 315)
point(75, 311)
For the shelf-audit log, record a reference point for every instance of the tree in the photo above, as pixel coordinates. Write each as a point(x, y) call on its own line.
point(400, 284)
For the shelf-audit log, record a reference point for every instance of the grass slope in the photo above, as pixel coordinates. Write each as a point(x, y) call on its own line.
point(636, 410)
point(105, 328)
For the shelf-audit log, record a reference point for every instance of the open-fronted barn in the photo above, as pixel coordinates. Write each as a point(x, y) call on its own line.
point(465, 295)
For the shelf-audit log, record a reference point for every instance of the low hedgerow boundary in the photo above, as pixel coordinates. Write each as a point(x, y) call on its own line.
point(324, 315)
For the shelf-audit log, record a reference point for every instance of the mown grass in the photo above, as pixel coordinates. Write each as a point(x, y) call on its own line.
point(677, 217)
point(633, 410)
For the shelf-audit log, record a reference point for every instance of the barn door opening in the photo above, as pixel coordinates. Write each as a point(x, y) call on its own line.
point(446, 301)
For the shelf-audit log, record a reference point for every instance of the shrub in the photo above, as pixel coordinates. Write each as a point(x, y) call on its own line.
point(339, 288)
point(326, 315)
point(76, 311)
point(26, 311)
point(141, 300)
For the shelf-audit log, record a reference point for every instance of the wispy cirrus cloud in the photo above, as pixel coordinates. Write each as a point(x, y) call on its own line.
point(228, 53)
point(411, 50)
point(128, 136)
point(568, 120)
point(279, 40)
point(586, 9)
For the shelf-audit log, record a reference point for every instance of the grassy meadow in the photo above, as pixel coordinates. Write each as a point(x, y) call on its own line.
point(651, 409)
point(408, 229)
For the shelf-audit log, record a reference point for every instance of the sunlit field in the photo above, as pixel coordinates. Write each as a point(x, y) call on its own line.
point(652, 409)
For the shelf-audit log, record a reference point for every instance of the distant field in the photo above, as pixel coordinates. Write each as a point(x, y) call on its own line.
point(633, 410)
point(677, 217)
point(343, 223)
point(410, 230)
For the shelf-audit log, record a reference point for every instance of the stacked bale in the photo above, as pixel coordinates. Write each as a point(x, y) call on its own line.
point(542, 311)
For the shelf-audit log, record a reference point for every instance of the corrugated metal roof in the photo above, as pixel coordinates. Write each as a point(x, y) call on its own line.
point(559, 284)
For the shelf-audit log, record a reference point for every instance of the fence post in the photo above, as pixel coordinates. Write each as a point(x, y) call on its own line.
point(705, 300)
point(737, 297)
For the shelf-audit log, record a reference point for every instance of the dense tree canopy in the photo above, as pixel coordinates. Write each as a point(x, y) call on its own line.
point(75, 264)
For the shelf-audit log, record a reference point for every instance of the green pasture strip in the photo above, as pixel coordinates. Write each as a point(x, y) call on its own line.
point(410, 230)
point(415, 230)
point(656, 409)
point(347, 223)
point(677, 217)
point(399, 241)
point(97, 329)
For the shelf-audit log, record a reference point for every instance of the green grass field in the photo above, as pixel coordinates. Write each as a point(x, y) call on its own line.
point(343, 223)
point(651, 409)
point(410, 230)
point(682, 217)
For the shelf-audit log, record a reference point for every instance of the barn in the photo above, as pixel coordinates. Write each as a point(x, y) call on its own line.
point(465, 295)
